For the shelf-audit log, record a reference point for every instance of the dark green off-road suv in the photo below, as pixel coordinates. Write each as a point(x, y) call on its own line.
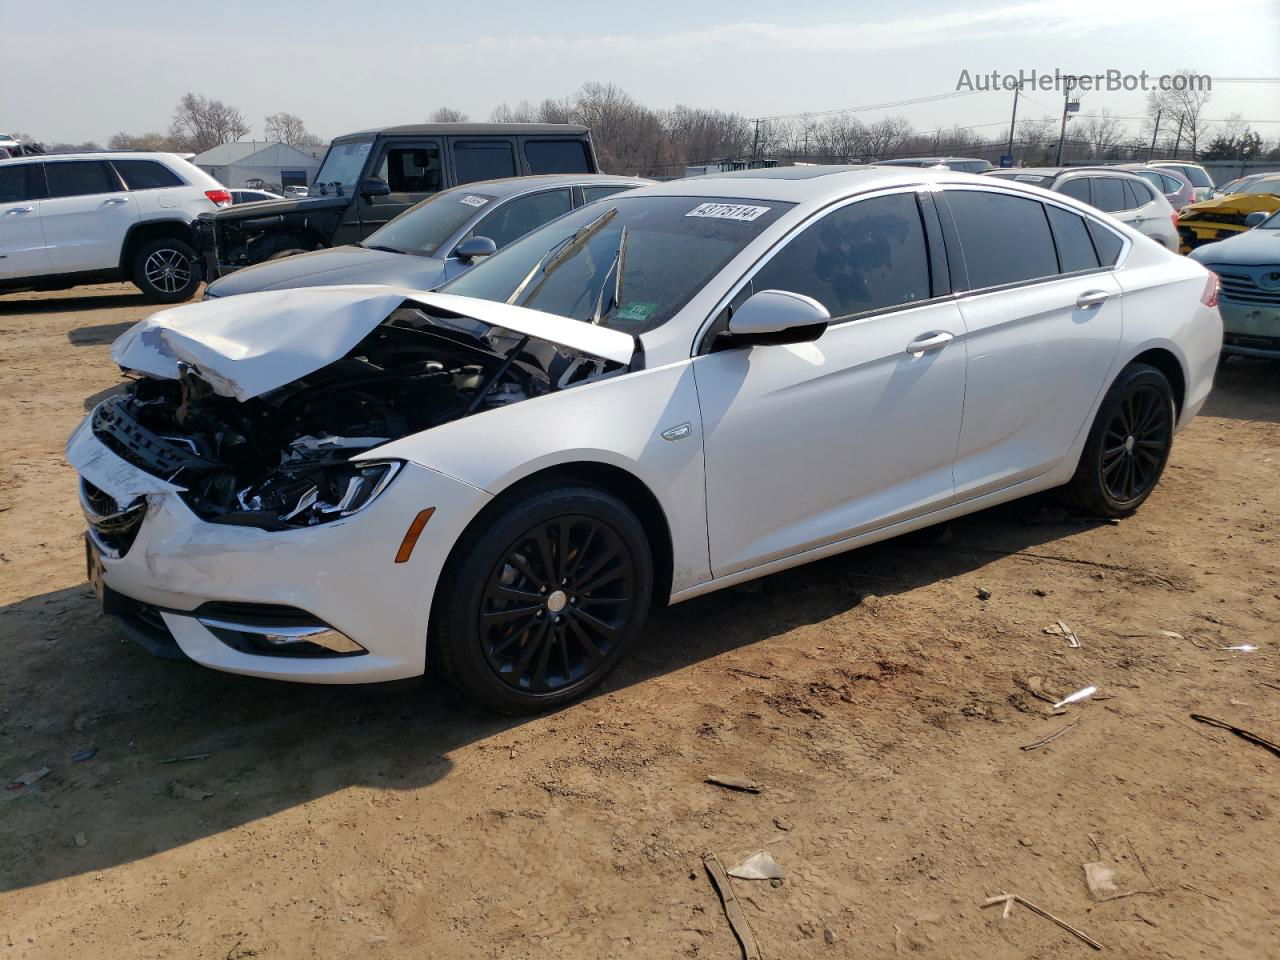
point(368, 178)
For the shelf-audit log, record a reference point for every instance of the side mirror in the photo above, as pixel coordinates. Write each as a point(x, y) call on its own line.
point(374, 187)
point(1255, 218)
point(475, 247)
point(777, 316)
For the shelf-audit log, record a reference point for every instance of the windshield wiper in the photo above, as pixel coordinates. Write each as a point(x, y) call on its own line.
point(558, 254)
point(615, 269)
point(377, 246)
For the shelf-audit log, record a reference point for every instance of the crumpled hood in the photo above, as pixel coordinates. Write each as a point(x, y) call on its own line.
point(332, 267)
point(1233, 203)
point(252, 344)
point(1253, 248)
point(270, 208)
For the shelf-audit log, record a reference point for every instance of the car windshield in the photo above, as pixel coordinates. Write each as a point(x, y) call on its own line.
point(628, 263)
point(342, 166)
point(421, 229)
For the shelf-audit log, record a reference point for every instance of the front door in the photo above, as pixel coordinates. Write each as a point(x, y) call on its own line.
point(811, 443)
point(412, 169)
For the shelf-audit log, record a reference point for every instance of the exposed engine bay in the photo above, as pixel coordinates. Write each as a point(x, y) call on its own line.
point(282, 459)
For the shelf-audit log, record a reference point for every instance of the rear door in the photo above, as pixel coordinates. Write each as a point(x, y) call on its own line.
point(22, 246)
point(156, 189)
point(412, 169)
point(87, 215)
point(1043, 323)
point(483, 158)
point(810, 443)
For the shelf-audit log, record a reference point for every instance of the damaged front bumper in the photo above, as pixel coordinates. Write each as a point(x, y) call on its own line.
point(321, 604)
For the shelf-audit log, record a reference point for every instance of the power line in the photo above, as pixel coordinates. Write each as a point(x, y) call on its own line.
point(873, 106)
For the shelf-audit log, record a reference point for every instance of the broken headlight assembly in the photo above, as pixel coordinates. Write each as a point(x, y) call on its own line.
point(306, 494)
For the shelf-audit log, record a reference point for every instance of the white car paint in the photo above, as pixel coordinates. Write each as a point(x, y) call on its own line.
point(760, 458)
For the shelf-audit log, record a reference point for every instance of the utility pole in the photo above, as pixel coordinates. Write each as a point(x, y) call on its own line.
point(1013, 120)
point(1069, 106)
point(755, 145)
point(1177, 140)
point(1154, 133)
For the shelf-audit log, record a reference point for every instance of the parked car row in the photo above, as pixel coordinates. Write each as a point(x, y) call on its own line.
point(669, 390)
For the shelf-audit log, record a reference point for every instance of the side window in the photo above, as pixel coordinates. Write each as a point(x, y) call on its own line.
point(868, 255)
point(556, 156)
point(513, 220)
point(412, 169)
point(591, 194)
point(1108, 194)
point(1075, 249)
point(1170, 184)
point(13, 183)
point(1005, 239)
point(1135, 195)
point(1077, 188)
point(483, 160)
point(1106, 242)
point(146, 174)
point(79, 178)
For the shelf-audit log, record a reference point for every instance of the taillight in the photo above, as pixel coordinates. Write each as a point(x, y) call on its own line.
point(1174, 217)
point(1211, 287)
point(220, 198)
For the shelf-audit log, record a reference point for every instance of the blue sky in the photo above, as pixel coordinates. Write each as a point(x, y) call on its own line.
point(83, 70)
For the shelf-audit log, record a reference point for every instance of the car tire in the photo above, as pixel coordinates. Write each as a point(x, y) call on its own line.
point(540, 600)
point(165, 271)
point(1128, 444)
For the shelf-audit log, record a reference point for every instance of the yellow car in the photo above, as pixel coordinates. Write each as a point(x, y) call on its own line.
point(1210, 220)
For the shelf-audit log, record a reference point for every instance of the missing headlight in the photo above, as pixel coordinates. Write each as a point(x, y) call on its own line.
point(312, 493)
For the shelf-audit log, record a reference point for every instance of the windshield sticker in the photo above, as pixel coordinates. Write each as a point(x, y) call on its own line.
point(635, 312)
point(728, 211)
point(474, 201)
point(1028, 176)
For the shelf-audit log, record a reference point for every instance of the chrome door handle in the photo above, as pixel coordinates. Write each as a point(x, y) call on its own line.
point(19, 210)
point(115, 200)
point(1092, 298)
point(929, 341)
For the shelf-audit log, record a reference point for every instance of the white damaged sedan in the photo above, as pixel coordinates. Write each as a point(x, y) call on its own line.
point(657, 395)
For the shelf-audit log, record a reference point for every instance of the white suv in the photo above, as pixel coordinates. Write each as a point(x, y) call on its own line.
point(98, 217)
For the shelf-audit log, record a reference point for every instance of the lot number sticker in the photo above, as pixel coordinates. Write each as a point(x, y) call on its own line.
point(727, 211)
point(473, 201)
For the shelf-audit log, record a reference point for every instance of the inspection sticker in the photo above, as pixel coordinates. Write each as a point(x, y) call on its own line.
point(473, 201)
point(635, 312)
point(727, 211)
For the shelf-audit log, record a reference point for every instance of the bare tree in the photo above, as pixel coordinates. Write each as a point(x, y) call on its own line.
point(153, 140)
point(447, 115)
point(1035, 138)
point(200, 123)
point(1101, 133)
point(1181, 111)
point(555, 111)
point(288, 128)
point(522, 112)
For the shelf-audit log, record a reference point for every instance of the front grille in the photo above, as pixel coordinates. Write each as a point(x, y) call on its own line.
point(114, 527)
point(1259, 286)
point(1251, 341)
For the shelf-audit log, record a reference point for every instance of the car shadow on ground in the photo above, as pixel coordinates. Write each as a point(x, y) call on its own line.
point(1245, 389)
point(56, 304)
point(71, 684)
point(97, 336)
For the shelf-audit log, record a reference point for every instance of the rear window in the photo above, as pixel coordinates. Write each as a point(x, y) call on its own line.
point(483, 160)
point(1109, 195)
point(1075, 248)
point(1005, 239)
point(591, 194)
point(557, 156)
point(146, 174)
point(1197, 176)
point(1106, 243)
point(79, 178)
point(869, 255)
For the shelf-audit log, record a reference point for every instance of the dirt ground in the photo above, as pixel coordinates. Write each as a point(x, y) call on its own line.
point(882, 705)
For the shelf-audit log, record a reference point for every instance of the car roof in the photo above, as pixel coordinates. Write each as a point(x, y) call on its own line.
point(800, 184)
point(102, 155)
point(1057, 171)
point(510, 186)
point(470, 129)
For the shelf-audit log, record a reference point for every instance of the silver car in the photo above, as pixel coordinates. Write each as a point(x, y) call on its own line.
point(1128, 198)
point(435, 240)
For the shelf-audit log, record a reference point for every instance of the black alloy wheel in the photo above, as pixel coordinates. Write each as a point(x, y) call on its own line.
point(543, 599)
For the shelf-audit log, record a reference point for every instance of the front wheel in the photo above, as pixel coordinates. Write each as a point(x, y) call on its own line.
point(165, 271)
point(542, 601)
point(1128, 445)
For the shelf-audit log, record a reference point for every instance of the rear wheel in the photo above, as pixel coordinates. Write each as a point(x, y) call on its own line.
point(1128, 445)
point(165, 271)
point(542, 601)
